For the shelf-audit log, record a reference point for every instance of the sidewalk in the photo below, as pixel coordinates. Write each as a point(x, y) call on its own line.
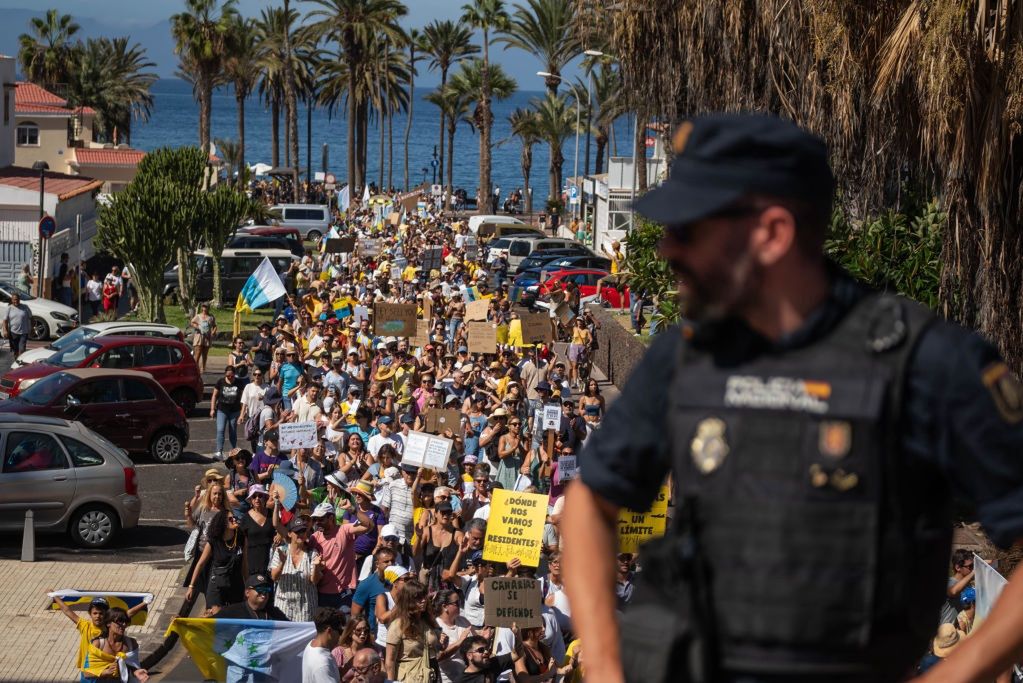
point(40, 644)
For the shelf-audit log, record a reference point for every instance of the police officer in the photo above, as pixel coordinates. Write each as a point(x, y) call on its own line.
point(817, 431)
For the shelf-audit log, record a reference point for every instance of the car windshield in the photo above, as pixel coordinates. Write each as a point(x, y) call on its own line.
point(500, 243)
point(14, 289)
point(73, 356)
point(43, 392)
point(73, 337)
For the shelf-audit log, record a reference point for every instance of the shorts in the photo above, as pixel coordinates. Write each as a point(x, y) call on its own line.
point(575, 351)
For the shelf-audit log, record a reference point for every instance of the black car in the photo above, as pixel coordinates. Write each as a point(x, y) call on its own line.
point(243, 241)
point(538, 259)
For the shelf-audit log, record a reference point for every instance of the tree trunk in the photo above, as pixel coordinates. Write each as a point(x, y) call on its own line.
point(598, 161)
point(411, 103)
point(205, 106)
point(443, 120)
point(390, 152)
point(451, 161)
point(363, 158)
point(291, 106)
point(287, 138)
point(486, 120)
point(640, 152)
point(352, 115)
point(383, 149)
point(275, 132)
point(216, 302)
point(186, 290)
point(527, 166)
point(241, 138)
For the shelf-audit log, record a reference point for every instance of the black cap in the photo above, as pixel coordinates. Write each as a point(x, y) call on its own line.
point(259, 581)
point(724, 157)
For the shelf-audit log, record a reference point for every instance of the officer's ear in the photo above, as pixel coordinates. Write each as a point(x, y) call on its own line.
point(773, 237)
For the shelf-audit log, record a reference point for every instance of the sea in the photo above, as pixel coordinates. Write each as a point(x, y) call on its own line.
point(174, 121)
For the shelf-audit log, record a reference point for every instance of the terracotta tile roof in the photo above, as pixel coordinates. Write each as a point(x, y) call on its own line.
point(29, 98)
point(63, 185)
point(108, 157)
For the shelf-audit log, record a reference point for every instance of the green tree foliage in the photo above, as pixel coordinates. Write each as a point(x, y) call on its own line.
point(222, 211)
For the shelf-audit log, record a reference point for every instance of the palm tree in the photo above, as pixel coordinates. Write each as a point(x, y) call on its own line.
point(290, 105)
point(388, 74)
point(454, 107)
point(447, 43)
point(556, 120)
point(468, 83)
point(608, 102)
point(242, 67)
point(545, 29)
point(415, 41)
point(353, 25)
point(201, 36)
point(231, 152)
point(45, 54)
point(525, 125)
point(488, 16)
point(273, 25)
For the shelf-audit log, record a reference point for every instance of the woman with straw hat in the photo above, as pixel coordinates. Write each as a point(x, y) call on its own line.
point(948, 638)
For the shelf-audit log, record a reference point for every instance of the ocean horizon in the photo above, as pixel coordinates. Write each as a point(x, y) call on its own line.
point(174, 122)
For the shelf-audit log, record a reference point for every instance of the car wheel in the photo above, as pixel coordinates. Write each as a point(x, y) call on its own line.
point(166, 446)
point(40, 330)
point(94, 526)
point(314, 235)
point(185, 400)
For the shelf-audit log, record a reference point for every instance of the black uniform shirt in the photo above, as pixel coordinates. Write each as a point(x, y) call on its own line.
point(958, 422)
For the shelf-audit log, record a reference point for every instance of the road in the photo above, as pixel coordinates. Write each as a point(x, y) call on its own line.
point(161, 533)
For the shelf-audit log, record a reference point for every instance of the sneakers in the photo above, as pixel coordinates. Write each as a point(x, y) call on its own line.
point(219, 456)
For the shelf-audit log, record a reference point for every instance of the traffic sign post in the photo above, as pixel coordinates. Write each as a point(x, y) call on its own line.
point(47, 226)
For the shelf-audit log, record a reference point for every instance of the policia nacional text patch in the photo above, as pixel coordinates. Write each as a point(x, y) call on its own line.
point(1006, 391)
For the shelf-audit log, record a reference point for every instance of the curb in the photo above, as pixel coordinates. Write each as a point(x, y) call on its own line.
point(168, 642)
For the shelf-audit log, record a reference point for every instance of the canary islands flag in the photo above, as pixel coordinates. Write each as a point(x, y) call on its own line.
point(245, 649)
point(262, 287)
point(80, 599)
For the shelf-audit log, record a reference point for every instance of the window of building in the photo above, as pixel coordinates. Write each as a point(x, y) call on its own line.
point(28, 135)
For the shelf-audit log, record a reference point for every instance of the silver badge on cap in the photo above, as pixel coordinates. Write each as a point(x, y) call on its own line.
point(709, 447)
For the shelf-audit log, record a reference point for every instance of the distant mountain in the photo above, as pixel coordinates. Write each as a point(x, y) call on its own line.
point(156, 38)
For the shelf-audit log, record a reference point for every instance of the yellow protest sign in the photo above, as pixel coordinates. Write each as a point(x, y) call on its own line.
point(515, 527)
point(636, 528)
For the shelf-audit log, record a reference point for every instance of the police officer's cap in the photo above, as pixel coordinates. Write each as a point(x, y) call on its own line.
point(724, 157)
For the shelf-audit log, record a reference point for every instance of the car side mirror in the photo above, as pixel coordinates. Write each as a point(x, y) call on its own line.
point(72, 401)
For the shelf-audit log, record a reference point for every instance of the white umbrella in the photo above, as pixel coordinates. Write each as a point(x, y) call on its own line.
point(260, 168)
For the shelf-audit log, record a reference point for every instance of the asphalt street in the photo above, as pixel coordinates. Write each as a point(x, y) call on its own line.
point(161, 534)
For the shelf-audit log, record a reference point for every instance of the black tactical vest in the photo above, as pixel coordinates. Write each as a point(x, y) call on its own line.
point(827, 555)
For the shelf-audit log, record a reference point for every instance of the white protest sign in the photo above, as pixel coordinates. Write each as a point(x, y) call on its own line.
point(395, 273)
point(297, 435)
point(361, 313)
point(568, 468)
point(552, 417)
point(426, 450)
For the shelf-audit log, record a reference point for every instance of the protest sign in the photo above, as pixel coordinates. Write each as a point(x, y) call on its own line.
point(370, 247)
point(427, 308)
point(552, 416)
point(340, 245)
point(536, 328)
point(297, 435)
point(472, 248)
point(424, 450)
point(394, 320)
point(512, 601)
point(636, 528)
point(477, 310)
point(515, 527)
point(361, 313)
point(432, 258)
point(567, 468)
point(394, 218)
point(482, 337)
point(439, 420)
point(395, 273)
point(422, 337)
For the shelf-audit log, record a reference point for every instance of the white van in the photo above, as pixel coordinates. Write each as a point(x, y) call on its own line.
point(476, 221)
point(519, 247)
point(312, 220)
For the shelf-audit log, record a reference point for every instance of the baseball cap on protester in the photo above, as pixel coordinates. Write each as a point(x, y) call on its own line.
point(258, 581)
point(323, 510)
point(389, 531)
point(100, 602)
point(724, 157)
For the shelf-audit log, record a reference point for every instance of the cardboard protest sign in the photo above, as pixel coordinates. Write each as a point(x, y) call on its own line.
point(552, 416)
point(512, 601)
point(340, 245)
point(515, 527)
point(410, 202)
point(536, 328)
point(636, 528)
point(422, 337)
point(394, 320)
point(297, 435)
point(477, 310)
point(432, 259)
point(370, 247)
point(482, 337)
point(394, 218)
point(424, 450)
point(439, 420)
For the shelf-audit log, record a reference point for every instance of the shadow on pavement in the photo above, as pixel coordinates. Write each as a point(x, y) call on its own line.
point(131, 545)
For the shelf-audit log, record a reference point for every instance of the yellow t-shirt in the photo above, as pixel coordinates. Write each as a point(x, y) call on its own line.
point(88, 632)
point(577, 673)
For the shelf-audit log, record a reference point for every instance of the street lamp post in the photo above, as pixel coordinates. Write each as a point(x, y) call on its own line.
point(42, 167)
point(578, 101)
point(589, 127)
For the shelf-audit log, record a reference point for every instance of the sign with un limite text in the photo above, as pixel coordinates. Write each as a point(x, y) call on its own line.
point(636, 528)
point(515, 527)
point(512, 601)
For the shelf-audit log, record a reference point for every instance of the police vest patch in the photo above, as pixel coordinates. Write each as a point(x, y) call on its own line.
point(709, 448)
point(1006, 391)
point(834, 438)
point(777, 393)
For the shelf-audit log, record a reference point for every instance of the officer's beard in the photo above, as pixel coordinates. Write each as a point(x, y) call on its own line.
point(724, 291)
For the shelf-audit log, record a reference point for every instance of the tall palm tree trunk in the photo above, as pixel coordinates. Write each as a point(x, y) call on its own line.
point(443, 119)
point(241, 135)
point(290, 104)
point(598, 161)
point(383, 150)
point(363, 141)
point(451, 161)
point(390, 152)
point(527, 166)
point(275, 133)
point(641, 181)
point(411, 103)
point(486, 120)
point(353, 178)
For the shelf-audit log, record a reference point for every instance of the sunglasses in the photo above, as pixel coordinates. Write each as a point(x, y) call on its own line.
point(479, 650)
point(264, 590)
point(442, 497)
point(119, 622)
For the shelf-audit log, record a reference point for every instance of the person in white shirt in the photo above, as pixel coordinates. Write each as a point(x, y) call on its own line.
point(318, 666)
point(447, 607)
point(385, 435)
point(94, 293)
point(307, 408)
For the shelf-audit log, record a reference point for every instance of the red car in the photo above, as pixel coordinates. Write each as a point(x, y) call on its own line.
point(127, 407)
point(587, 279)
point(169, 361)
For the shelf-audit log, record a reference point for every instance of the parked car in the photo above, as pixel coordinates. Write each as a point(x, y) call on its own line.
point(49, 318)
point(521, 246)
point(126, 406)
point(476, 221)
point(236, 265)
point(312, 220)
point(72, 479)
point(246, 241)
point(169, 361)
point(579, 261)
point(117, 328)
point(290, 235)
point(537, 260)
point(587, 279)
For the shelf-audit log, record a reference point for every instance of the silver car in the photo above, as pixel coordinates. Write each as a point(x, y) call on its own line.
point(70, 477)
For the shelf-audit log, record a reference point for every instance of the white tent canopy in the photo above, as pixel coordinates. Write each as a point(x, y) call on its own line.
point(260, 168)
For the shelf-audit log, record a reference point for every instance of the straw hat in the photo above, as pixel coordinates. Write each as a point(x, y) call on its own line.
point(385, 372)
point(363, 488)
point(948, 639)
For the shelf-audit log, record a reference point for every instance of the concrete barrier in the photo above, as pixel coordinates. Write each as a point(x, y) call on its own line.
point(619, 350)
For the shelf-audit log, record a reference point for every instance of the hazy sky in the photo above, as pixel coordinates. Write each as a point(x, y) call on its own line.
point(125, 14)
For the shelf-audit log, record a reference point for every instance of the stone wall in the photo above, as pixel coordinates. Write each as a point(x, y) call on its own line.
point(619, 350)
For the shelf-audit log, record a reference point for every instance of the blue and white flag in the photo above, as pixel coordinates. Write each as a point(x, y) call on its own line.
point(73, 598)
point(235, 650)
point(344, 199)
point(263, 287)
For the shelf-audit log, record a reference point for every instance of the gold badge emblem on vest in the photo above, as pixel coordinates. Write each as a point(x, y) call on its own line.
point(709, 447)
point(834, 438)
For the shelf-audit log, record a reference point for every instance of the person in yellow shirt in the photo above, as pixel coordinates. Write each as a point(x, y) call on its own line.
point(617, 257)
point(91, 628)
point(573, 656)
point(409, 274)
